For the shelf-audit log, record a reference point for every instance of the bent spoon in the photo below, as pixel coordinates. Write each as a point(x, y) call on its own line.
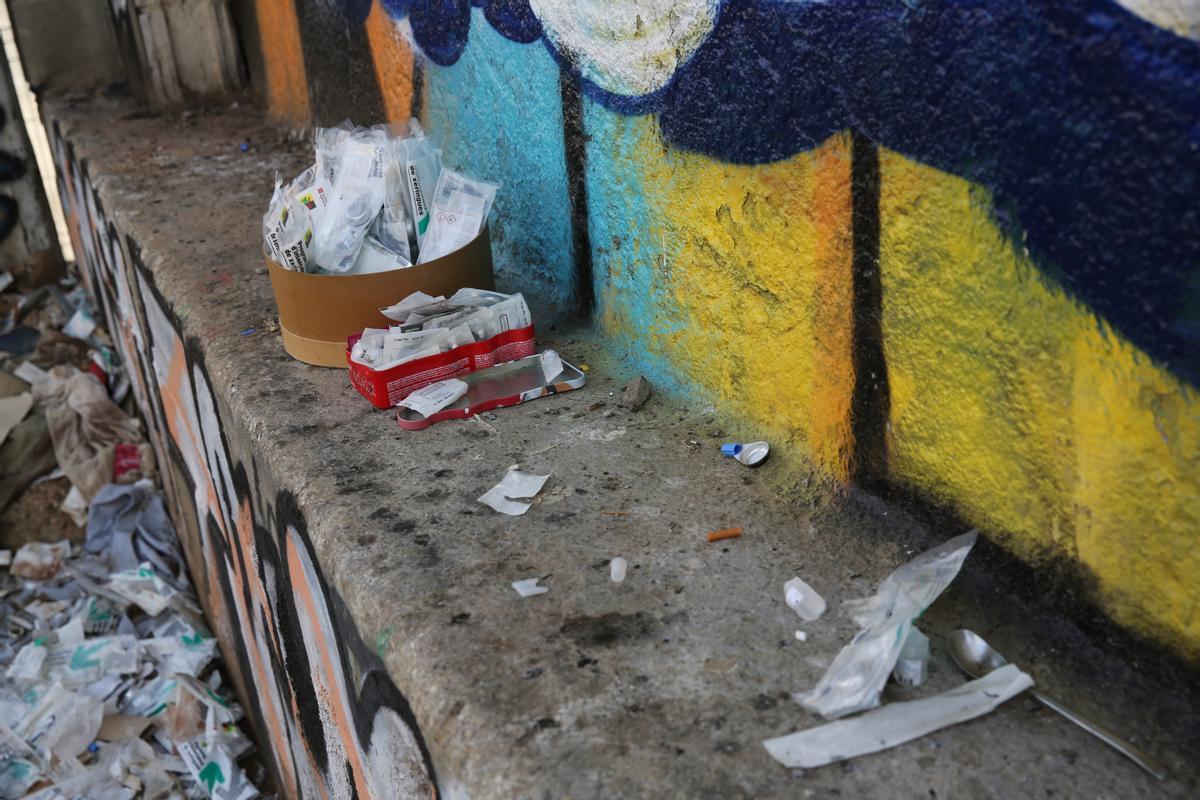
point(977, 658)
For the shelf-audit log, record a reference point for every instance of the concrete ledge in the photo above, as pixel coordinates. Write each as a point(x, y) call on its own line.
point(363, 597)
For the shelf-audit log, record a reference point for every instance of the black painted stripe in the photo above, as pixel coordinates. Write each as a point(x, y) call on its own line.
point(575, 147)
point(871, 403)
point(338, 65)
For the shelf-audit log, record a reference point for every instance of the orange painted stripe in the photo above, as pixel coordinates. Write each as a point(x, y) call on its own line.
point(393, 58)
point(283, 58)
point(328, 680)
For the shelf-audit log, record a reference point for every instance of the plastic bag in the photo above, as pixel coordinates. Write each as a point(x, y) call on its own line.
point(374, 256)
point(356, 199)
point(460, 208)
point(432, 325)
point(856, 677)
point(291, 217)
point(394, 227)
point(422, 163)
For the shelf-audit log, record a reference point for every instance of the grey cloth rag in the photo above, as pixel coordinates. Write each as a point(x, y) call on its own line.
point(129, 525)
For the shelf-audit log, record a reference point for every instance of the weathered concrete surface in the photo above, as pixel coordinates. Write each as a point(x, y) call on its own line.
point(662, 686)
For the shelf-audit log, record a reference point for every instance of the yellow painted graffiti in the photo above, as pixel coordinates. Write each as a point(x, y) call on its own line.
point(1016, 406)
point(756, 260)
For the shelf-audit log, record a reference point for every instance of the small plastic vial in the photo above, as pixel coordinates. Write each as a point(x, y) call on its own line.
point(803, 599)
point(913, 664)
point(616, 569)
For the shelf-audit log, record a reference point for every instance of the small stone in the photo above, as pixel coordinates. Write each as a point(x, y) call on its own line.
point(260, 270)
point(636, 393)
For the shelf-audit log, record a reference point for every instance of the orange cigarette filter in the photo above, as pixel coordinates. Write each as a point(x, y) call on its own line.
point(727, 533)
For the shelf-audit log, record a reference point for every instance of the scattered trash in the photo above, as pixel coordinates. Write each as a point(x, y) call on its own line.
point(897, 723)
point(81, 325)
point(616, 569)
point(803, 599)
point(129, 525)
point(856, 677)
point(617, 513)
point(529, 587)
point(39, 561)
point(913, 662)
point(495, 387)
point(725, 533)
point(514, 484)
point(752, 454)
point(30, 373)
point(75, 506)
point(801, 636)
point(86, 426)
point(109, 686)
point(487, 426)
point(636, 393)
point(433, 398)
point(248, 332)
point(978, 659)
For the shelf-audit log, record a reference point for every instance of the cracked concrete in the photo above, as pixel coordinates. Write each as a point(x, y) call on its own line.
point(664, 685)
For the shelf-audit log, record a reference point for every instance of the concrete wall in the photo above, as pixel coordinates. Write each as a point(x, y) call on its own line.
point(330, 719)
point(947, 249)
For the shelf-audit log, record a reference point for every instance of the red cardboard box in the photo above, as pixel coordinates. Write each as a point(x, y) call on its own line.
point(386, 388)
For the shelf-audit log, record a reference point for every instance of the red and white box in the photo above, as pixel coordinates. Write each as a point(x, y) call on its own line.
point(385, 388)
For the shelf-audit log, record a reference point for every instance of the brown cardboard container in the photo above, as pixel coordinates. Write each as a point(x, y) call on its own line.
point(317, 313)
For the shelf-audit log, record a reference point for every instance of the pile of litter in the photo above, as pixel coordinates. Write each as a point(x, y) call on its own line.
point(109, 683)
point(377, 199)
point(63, 398)
point(110, 686)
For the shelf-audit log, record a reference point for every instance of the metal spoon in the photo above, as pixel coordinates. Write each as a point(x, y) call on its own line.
point(977, 658)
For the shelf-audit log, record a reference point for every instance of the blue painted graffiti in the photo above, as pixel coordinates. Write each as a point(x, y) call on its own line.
point(1082, 119)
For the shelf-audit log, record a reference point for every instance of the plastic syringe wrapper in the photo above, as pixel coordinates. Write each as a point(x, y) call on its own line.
point(429, 326)
point(460, 207)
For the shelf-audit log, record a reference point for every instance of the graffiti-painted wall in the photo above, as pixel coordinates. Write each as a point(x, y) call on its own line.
point(320, 697)
point(947, 249)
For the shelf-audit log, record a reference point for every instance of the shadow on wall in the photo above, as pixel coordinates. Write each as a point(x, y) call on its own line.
point(1079, 117)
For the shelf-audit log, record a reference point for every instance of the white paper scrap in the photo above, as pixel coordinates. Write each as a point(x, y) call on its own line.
point(434, 397)
point(551, 365)
point(81, 324)
point(529, 587)
point(30, 373)
point(897, 723)
point(6, 280)
point(399, 311)
point(75, 506)
point(514, 484)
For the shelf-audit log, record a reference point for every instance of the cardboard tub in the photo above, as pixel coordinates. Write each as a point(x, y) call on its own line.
point(318, 313)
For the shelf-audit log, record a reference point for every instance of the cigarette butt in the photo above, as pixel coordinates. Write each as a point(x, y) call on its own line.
point(727, 533)
point(617, 513)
